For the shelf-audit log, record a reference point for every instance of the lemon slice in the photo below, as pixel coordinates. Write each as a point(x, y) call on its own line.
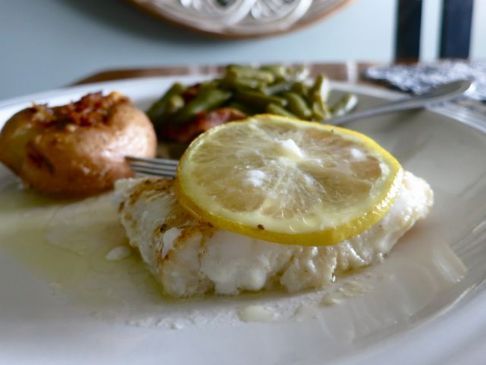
point(287, 181)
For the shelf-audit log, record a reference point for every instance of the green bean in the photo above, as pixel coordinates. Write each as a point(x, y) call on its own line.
point(213, 84)
point(278, 110)
point(300, 88)
point(258, 100)
point(249, 73)
point(320, 88)
point(344, 105)
point(241, 107)
point(157, 111)
point(297, 105)
point(317, 112)
point(318, 96)
point(279, 71)
point(320, 111)
point(174, 103)
point(205, 100)
point(270, 88)
point(242, 83)
point(278, 87)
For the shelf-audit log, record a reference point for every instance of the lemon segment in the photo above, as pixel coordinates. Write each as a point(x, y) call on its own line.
point(288, 181)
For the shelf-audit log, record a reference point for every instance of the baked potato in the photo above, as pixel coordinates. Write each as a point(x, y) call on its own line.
point(78, 149)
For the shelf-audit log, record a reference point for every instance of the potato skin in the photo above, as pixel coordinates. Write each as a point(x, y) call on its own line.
point(78, 157)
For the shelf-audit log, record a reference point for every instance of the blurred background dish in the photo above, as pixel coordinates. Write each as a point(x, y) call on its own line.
point(241, 18)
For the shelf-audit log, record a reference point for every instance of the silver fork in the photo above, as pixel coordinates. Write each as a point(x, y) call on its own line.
point(153, 166)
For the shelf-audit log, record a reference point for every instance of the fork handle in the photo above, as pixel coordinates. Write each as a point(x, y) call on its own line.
point(441, 94)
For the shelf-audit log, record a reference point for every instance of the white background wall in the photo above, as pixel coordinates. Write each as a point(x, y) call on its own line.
point(49, 43)
point(478, 46)
point(431, 14)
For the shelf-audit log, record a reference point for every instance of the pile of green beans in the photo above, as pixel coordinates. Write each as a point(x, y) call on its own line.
point(274, 89)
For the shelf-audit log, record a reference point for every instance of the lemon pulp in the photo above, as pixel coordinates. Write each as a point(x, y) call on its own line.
point(287, 181)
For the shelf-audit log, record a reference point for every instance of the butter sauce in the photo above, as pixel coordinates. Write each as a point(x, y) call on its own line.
point(69, 245)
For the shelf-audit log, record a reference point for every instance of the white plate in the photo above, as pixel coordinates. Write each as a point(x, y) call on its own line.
point(62, 303)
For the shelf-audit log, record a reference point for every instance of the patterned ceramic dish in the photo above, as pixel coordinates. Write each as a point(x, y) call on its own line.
point(241, 18)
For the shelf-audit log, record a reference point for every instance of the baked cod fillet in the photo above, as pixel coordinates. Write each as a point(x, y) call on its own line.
point(189, 257)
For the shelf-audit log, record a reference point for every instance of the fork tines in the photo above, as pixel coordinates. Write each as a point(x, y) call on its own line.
point(153, 166)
